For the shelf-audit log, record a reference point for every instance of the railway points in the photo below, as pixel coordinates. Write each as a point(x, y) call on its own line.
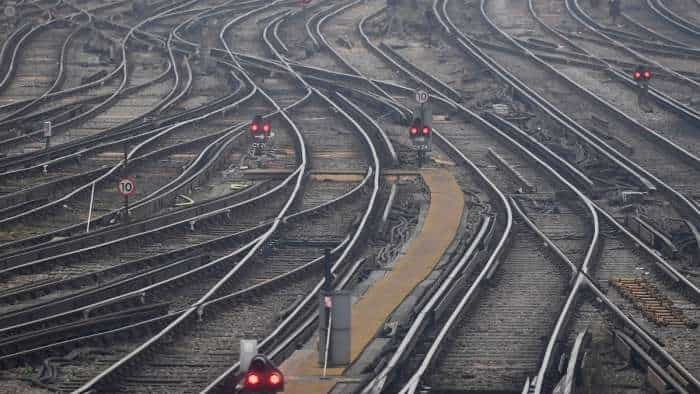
point(508, 190)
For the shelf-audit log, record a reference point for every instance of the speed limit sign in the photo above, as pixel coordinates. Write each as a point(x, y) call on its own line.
point(126, 186)
point(421, 96)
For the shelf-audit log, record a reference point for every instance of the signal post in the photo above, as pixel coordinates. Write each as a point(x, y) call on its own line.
point(420, 131)
point(260, 130)
point(642, 75)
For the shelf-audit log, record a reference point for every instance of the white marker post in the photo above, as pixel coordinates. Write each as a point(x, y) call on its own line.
point(92, 198)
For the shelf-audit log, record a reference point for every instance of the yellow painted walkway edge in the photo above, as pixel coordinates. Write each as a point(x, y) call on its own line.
point(301, 370)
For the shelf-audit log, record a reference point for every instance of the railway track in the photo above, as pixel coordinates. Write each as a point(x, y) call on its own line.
point(583, 190)
point(323, 227)
point(481, 377)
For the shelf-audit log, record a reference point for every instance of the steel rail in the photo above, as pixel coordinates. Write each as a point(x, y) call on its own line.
point(533, 97)
point(582, 17)
point(378, 382)
point(117, 166)
point(198, 168)
point(122, 86)
point(375, 171)
point(207, 244)
point(25, 159)
point(420, 78)
point(15, 217)
point(124, 60)
point(685, 204)
point(616, 157)
point(8, 45)
point(310, 298)
point(141, 293)
point(128, 133)
point(676, 20)
point(581, 179)
point(184, 222)
point(674, 274)
point(321, 21)
point(412, 385)
point(131, 33)
point(9, 73)
point(577, 13)
point(64, 109)
point(57, 232)
point(168, 189)
point(662, 98)
point(298, 174)
point(386, 142)
point(491, 264)
point(583, 279)
point(653, 32)
point(589, 257)
point(58, 79)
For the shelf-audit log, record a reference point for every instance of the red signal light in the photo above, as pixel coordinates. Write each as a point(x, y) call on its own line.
point(637, 75)
point(275, 379)
point(252, 379)
point(266, 127)
point(414, 130)
point(426, 130)
point(255, 125)
point(647, 74)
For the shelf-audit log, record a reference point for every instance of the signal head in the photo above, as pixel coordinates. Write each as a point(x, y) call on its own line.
point(646, 74)
point(637, 75)
point(266, 127)
point(426, 130)
point(262, 376)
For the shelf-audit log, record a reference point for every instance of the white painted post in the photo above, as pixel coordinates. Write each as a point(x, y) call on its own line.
point(328, 341)
point(92, 197)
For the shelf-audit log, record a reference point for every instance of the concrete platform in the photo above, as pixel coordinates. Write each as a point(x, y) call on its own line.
point(303, 375)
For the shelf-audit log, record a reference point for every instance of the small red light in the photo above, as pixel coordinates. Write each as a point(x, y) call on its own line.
point(637, 75)
point(275, 379)
point(266, 127)
point(647, 74)
point(252, 379)
point(414, 130)
point(254, 127)
point(426, 130)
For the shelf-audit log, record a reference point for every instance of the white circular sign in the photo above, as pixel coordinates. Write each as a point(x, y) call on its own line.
point(126, 186)
point(422, 96)
point(10, 11)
